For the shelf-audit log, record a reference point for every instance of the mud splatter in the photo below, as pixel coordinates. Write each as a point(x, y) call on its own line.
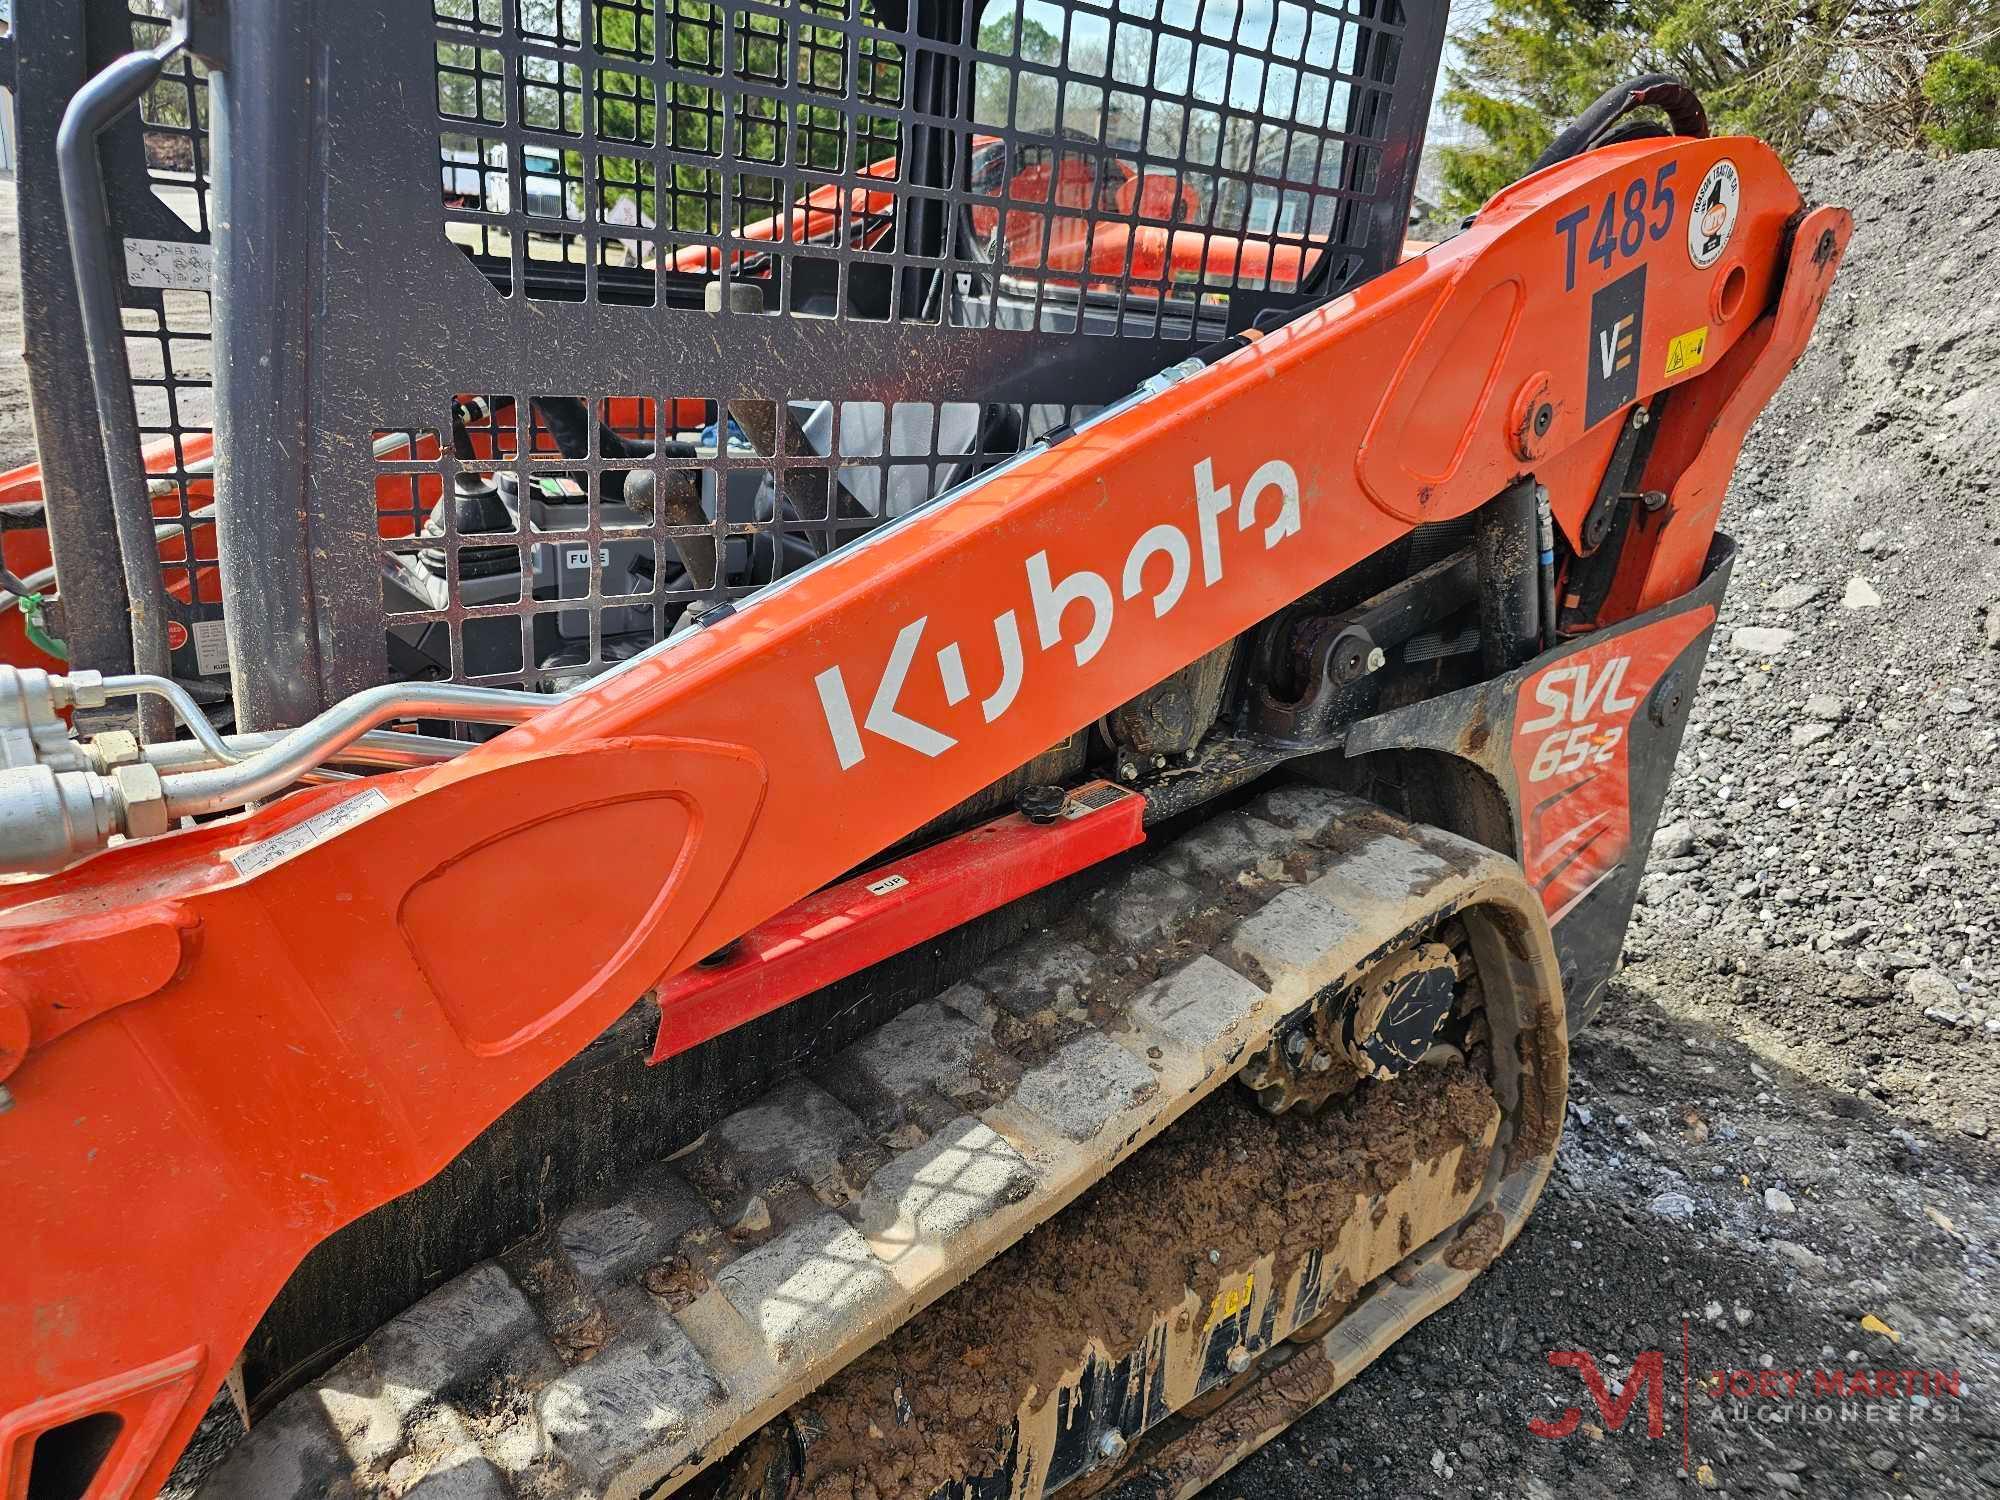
point(933, 1404)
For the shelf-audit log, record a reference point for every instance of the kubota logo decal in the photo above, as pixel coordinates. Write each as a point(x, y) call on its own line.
point(1271, 491)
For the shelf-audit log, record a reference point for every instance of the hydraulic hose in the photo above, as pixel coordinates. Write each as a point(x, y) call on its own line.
point(1510, 619)
point(307, 747)
point(185, 709)
point(1661, 91)
point(391, 748)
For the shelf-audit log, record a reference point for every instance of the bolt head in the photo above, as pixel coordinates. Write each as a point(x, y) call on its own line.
point(1111, 1445)
point(116, 747)
point(1042, 804)
point(1377, 658)
point(1239, 1360)
point(721, 955)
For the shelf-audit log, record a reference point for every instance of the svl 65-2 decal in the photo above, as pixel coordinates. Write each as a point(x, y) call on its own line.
point(1573, 728)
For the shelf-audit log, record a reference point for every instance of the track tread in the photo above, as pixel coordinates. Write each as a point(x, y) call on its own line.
point(814, 1221)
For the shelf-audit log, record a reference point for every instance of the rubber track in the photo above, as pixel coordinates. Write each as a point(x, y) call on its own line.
point(637, 1341)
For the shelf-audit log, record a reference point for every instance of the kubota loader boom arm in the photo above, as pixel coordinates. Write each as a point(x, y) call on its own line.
point(225, 1042)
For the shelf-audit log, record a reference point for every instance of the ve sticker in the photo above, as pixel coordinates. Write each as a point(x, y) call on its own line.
point(1617, 332)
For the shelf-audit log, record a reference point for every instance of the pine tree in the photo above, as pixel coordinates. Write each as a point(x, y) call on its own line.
point(1800, 74)
point(1529, 66)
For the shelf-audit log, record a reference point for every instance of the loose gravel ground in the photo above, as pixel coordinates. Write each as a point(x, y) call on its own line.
point(1780, 1154)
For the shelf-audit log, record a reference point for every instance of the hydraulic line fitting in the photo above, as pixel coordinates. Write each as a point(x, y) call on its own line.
point(32, 729)
point(61, 799)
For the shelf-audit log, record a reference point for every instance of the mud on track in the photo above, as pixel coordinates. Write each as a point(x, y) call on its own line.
point(1192, 1211)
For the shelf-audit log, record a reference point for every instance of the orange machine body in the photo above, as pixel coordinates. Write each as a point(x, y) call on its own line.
point(1108, 222)
point(292, 1016)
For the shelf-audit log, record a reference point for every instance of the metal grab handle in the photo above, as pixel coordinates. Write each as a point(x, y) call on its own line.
point(95, 106)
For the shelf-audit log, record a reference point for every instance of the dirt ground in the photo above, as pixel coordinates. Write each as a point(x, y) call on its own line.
point(17, 428)
point(1779, 1157)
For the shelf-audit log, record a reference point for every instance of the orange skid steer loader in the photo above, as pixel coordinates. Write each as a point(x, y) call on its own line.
point(830, 747)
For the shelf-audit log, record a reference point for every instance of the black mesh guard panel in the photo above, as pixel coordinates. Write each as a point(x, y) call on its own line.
point(617, 309)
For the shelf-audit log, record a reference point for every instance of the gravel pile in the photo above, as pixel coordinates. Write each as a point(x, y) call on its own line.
point(1839, 787)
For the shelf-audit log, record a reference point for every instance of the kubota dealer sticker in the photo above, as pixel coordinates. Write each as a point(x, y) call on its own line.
point(1714, 217)
point(1572, 755)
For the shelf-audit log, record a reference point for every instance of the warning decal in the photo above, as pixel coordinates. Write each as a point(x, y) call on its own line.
point(1686, 350)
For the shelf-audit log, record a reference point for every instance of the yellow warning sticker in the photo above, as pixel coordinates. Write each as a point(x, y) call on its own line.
point(1686, 351)
point(1230, 1301)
